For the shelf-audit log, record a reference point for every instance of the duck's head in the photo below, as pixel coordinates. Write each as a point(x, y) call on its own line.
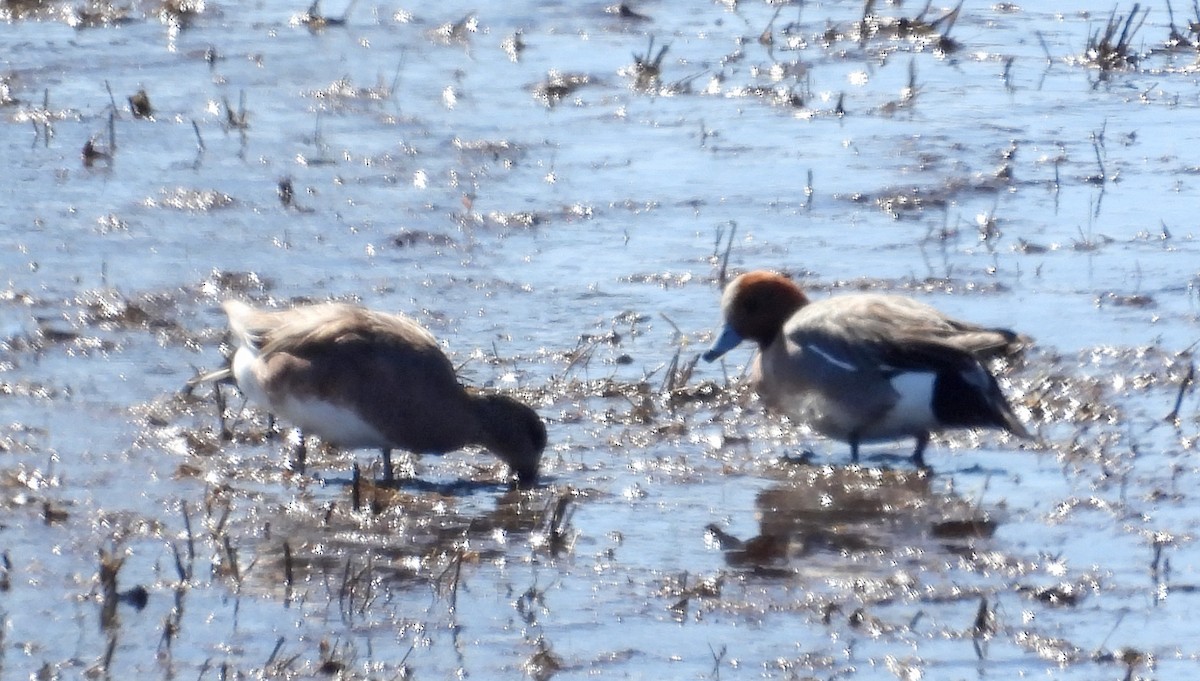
point(756, 305)
point(515, 433)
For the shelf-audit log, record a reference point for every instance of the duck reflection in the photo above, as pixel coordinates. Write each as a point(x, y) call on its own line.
point(402, 537)
point(851, 510)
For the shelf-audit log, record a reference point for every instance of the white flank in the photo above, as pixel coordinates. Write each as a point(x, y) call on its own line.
point(244, 362)
point(913, 411)
point(334, 423)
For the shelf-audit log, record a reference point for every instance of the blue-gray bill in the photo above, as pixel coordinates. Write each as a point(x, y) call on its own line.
point(728, 340)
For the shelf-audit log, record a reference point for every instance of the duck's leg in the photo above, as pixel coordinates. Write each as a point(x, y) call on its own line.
point(918, 455)
point(388, 477)
point(300, 456)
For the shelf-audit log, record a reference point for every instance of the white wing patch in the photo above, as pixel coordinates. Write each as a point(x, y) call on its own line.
point(837, 362)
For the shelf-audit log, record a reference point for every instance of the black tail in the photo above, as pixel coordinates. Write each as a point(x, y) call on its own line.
point(970, 397)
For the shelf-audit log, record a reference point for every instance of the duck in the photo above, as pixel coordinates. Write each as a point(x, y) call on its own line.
point(361, 378)
point(867, 367)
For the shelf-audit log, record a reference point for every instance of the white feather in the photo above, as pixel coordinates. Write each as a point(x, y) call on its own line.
point(825, 355)
point(244, 362)
point(913, 411)
point(334, 423)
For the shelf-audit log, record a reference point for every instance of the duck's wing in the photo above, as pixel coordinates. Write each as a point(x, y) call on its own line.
point(869, 369)
point(389, 368)
point(866, 351)
point(338, 337)
point(317, 328)
point(348, 345)
point(884, 320)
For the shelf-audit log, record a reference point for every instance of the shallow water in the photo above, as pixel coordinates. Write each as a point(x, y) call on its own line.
point(566, 248)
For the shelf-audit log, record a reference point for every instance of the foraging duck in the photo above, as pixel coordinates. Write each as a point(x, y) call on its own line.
point(867, 367)
point(361, 378)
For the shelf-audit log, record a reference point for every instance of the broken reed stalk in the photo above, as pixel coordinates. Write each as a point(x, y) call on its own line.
point(718, 657)
point(1173, 417)
point(1175, 35)
point(767, 37)
point(559, 512)
point(1045, 48)
point(274, 652)
point(449, 578)
point(346, 589)
point(47, 120)
point(668, 384)
point(458, 561)
point(351, 597)
point(1097, 145)
point(356, 487)
point(191, 539)
point(983, 628)
point(219, 528)
point(199, 138)
point(179, 569)
point(110, 566)
point(396, 77)
point(949, 19)
point(910, 92)
point(300, 456)
point(288, 574)
point(721, 275)
point(231, 556)
point(221, 404)
point(110, 649)
point(111, 99)
point(584, 350)
point(1156, 560)
point(1127, 34)
point(170, 630)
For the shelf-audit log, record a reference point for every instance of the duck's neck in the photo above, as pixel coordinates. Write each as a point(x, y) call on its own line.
point(771, 323)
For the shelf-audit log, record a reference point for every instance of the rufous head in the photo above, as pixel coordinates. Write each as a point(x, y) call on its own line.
point(756, 305)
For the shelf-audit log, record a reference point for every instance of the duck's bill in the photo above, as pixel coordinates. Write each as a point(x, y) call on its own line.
point(728, 340)
point(525, 479)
